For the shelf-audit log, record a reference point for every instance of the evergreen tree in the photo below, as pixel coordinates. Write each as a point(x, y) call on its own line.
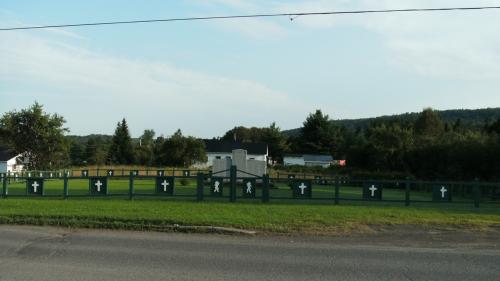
point(121, 150)
point(319, 134)
point(429, 124)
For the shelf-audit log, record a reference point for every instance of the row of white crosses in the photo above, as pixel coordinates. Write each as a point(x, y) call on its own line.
point(443, 191)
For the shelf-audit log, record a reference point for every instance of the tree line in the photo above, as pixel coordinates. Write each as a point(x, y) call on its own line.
point(424, 147)
point(41, 138)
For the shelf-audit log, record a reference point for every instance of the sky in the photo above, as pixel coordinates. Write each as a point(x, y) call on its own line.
point(206, 77)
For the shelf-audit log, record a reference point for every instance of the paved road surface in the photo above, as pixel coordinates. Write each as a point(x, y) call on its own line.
point(43, 253)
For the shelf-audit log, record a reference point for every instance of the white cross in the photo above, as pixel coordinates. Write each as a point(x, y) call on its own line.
point(216, 186)
point(98, 184)
point(84, 173)
point(443, 191)
point(110, 173)
point(35, 185)
point(50, 174)
point(302, 187)
point(249, 187)
point(165, 183)
point(372, 189)
point(41, 175)
point(186, 173)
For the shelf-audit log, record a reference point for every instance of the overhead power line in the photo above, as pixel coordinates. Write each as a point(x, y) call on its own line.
point(290, 15)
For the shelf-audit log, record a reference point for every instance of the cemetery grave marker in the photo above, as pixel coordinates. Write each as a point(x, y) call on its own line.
point(216, 186)
point(302, 189)
point(372, 191)
point(441, 193)
point(165, 185)
point(34, 186)
point(98, 186)
point(249, 186)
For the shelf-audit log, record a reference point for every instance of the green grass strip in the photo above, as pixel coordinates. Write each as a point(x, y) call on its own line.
point(274, 217)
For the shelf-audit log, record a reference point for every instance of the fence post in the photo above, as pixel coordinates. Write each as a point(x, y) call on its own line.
point(65, 185)
point(265, 188)
point(477, 193)
point(200, 177)
point(407, 192)
point(131, 186)
point(232, 184)
point(4, 187)
point(337, 190)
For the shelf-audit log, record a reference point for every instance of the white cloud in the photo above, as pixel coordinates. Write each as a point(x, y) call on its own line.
point(455, 45)
point(109, 88)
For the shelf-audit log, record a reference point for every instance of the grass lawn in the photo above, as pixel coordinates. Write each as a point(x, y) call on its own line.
point(279, 216)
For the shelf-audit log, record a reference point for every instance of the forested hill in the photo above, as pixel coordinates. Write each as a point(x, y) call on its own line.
point(469, 118)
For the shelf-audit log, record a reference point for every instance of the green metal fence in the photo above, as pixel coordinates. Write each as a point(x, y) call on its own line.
point(234, 185)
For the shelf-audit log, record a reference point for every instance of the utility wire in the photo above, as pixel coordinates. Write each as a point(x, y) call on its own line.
point(289, 15)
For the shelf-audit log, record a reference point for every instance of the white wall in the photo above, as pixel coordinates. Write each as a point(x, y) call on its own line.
point(288, 160)
point(211, 156)
point(322, 164)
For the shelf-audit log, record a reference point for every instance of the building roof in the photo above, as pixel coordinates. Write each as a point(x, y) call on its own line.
point(7, 154)
point(229, 146)
point(317, 158)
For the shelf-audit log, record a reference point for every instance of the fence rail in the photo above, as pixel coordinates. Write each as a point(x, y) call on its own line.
point(203, 185)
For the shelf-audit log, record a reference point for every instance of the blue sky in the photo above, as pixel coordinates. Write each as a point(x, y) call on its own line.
point(207, 77)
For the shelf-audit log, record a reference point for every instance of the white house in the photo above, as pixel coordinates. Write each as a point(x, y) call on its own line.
point(308, 160)
point(217, 149)
point(9, 161)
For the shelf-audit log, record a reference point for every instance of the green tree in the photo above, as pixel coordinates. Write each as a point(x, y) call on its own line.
point(76, 153)
point(39, 136)
point(179, 150)
point(96, 151)
point(429, 124)
point(319, 134)
point(121, 150)
point(276, 141)
point(243, 134)
point(145, 148)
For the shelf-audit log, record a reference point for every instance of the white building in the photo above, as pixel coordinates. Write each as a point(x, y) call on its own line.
point(9, 161)
point(324, 161)
point(217, 149)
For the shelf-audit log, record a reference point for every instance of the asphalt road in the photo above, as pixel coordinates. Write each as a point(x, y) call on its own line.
point(43, 253)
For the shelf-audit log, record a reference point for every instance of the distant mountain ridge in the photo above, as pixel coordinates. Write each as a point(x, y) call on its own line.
point(469, 118)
